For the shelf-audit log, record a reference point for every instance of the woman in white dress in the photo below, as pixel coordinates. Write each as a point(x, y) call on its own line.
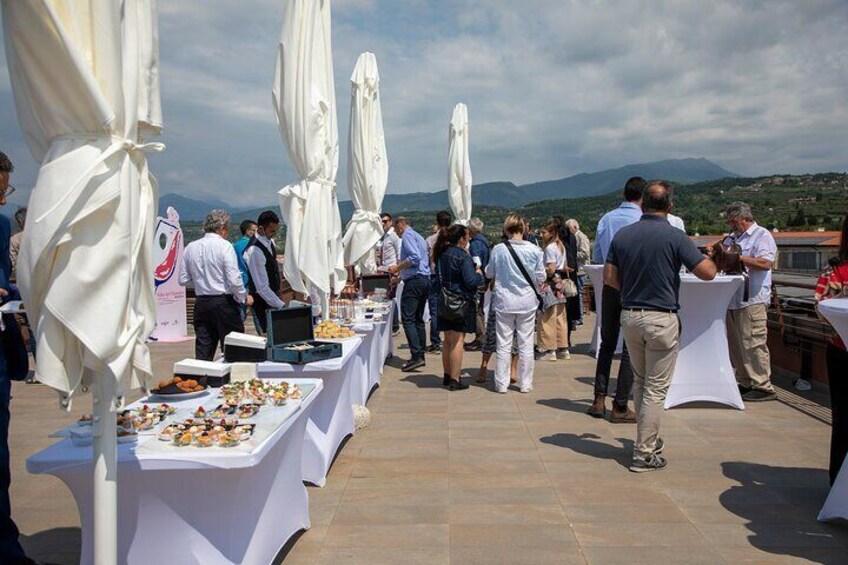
point(553, 323)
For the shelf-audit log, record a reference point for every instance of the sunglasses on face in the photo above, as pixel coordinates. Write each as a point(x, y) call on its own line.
point(10, 190)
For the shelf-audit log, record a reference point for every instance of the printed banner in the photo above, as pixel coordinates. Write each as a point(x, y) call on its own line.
point(168, 249)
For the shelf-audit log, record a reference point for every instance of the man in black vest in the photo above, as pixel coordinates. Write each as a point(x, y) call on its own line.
point(260, 256)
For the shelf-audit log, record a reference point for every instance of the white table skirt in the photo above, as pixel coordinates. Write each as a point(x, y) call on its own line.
point(703, 371)
point(196, 506)
point(369, 359)
point(331, 421)
point(836, 505)
point(596, 276)
point(387, 338)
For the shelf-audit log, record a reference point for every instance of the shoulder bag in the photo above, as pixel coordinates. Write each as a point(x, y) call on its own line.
point(451, 306)
point(527, 278)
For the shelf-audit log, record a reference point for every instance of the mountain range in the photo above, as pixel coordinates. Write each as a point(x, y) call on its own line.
point(502, 194)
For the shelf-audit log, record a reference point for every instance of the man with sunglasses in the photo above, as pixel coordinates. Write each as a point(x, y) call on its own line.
point(11, 551)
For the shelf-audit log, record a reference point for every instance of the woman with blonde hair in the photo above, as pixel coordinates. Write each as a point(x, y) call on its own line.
point(553, 325)
point(516, 266)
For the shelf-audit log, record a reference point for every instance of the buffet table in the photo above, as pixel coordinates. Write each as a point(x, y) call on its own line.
point(369, 361)
point(199, 505)
point(331, 420)
point(596, 276)
point(703, 371)
point(835, 311)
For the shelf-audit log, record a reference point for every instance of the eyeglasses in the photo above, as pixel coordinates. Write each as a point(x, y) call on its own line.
point(387, 221)
point(9, 190)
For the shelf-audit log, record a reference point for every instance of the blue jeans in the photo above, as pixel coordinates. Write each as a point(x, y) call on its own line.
point(415, 293)
point(433, 303)
point(581, 282)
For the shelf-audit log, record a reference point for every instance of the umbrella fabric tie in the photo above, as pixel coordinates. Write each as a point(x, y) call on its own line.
point(366, 216)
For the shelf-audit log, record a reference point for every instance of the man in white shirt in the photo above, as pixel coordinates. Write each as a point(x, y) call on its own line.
point(210, 264)
point(584, 256)
point(390, 244)
point(747, 320)
point(260, 256)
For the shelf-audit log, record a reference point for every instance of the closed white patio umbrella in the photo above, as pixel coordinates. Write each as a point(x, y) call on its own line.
point(84, 74)
point(459, 166)
point(368, 165)
point(305, 106)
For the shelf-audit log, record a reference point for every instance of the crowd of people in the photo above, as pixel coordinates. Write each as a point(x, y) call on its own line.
point(520, 299)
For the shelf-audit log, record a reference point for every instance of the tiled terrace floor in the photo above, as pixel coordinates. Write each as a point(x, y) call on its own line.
point(476, 477)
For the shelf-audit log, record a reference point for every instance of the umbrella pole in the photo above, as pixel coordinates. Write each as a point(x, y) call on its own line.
point(105, 473)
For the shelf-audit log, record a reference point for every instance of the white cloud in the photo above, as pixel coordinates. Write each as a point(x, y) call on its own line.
point(554, 87)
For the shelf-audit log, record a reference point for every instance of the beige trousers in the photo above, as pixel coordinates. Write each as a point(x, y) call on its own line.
point(652, 340)
point(553, 329)
point(747, 334)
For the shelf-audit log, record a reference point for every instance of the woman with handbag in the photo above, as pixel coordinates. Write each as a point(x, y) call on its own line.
point(554, 331)
point(516, 265)
point(833, 283)
point(457, 308)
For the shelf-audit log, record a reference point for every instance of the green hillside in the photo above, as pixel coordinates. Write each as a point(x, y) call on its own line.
point(785, 202)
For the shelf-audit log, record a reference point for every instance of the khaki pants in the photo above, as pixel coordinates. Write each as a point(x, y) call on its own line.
point(747, 333)
point(553, 329)
point(652, 339)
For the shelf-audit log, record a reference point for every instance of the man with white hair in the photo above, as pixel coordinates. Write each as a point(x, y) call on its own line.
point(747, 317)
point(584, 256)
point(211, 265)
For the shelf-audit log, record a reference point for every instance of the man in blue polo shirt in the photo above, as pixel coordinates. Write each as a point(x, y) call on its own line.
point(644, 263)
point(414, 269)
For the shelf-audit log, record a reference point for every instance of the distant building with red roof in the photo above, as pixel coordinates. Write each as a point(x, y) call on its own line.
point(798, 251)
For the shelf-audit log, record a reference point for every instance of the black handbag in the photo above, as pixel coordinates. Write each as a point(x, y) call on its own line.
point(451, 306)
point(527, 278)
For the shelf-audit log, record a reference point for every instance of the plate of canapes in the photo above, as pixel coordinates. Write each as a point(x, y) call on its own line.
point(207, 433)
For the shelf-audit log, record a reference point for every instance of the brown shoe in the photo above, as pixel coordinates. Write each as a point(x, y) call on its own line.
point(626, 416)
point(598, 408)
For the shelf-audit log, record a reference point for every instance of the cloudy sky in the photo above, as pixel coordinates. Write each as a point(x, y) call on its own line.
point(554, 88)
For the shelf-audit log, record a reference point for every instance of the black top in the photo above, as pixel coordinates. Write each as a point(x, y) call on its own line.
point(272, 268)
point(648, 255)
point(456, 272)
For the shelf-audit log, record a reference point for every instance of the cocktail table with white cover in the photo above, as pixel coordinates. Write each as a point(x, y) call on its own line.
point(370, 358)
point(703, 371)
point(596, 276)
point(199, 505)
point(331, 420)
point(836, 505)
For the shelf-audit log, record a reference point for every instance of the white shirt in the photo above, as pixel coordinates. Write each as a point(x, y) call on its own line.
point(210, 263)
point(755, 242)
point(512, 294)
point(555, 255)
point(431, 243)
point(677, 222)
point(255, 261)
point(391, 248)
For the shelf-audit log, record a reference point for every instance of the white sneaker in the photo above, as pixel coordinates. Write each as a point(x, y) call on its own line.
point(526, 390)
point(563, 354)
point(549, 356)
point(499, 391)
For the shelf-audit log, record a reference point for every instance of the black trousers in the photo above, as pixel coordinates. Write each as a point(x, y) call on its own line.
point(214, 318)
point(260, 308)
point(10, 549)
point(610, 330)
point(837, 376)
point(412, 301)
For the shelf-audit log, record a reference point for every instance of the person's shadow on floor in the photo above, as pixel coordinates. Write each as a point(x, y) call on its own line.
point(794, 531)
point(587, 445)
point(58, 546)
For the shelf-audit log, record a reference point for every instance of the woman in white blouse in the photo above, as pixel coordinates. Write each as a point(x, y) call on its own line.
point(514, 300)
point(553, 325)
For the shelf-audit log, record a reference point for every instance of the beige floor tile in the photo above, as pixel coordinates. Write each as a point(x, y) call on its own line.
point(405, 536)
point(696, 555)
point(394, 514)
point(645, 513)
point(638, 534)
point(507, 514)
point(385, 556)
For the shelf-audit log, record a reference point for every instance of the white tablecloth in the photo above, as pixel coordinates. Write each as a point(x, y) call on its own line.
point(703, 371)
point(331, 421)
point(596, 276)
point(370, 359)
point(836, 505)
point(198, 506)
